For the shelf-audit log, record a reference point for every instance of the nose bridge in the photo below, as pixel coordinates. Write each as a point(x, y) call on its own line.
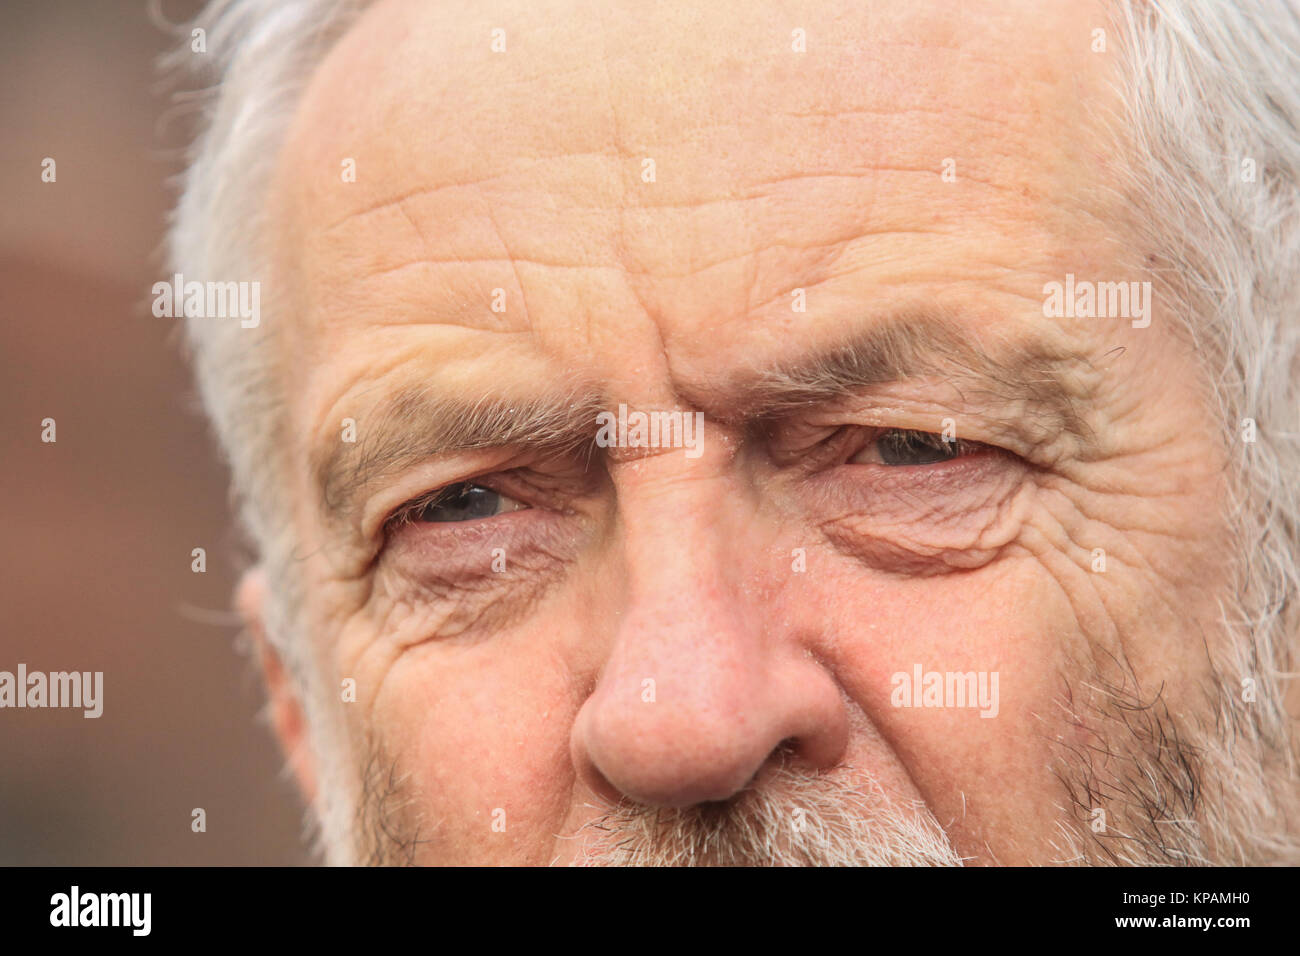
point(685, 612)
point(681, 528)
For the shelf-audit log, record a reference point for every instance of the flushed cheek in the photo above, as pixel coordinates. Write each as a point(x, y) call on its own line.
point(483, 734)
point(960, 674)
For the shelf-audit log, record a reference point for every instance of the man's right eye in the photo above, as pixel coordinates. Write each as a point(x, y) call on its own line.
point(463, 501)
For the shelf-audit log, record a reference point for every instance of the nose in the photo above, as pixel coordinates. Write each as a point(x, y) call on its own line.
point(702, 685)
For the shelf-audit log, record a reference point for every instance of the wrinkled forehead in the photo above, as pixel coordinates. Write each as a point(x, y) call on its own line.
point(690, 158)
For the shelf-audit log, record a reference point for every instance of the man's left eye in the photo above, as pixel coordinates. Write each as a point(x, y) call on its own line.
point(898, 446)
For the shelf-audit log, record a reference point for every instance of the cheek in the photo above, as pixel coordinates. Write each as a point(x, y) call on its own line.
point(482, 730)
point(1010, 626)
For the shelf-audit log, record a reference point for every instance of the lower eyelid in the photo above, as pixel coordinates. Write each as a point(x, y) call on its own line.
point(947, 528)
point(465, 550)
point(903, 491)
point(445, 539)
point(446, 585)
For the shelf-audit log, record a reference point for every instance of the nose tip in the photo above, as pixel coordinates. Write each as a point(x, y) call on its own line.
point(708, 746)
point(652, 769)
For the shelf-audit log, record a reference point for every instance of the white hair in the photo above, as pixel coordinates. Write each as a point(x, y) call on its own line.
point(1214, 112)
point(1211, 93)
point(795, 818)
point(260, 55)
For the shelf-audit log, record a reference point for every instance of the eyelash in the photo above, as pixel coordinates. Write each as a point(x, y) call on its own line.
point(918, 440)
point(405, 513)
point(845, 442)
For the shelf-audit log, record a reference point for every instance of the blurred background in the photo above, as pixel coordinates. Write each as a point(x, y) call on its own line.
point(98, 528)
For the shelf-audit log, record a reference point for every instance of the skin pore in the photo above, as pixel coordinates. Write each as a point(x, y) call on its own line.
point(771, 587)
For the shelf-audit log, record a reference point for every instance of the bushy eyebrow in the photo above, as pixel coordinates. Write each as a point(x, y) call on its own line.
point(420, 423)
point(1050, 381)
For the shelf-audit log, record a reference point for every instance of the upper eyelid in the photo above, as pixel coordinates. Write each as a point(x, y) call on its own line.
point(966, 428)
point(510, 483)
point(419, 502)
point(406, 486)
point(541, 480)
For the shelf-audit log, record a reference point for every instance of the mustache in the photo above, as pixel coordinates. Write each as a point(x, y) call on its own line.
point(793, 817)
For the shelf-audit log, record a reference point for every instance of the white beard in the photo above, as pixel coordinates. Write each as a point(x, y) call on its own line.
point(795, 818)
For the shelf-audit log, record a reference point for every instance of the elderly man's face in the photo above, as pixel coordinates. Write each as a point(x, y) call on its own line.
point(839, 258)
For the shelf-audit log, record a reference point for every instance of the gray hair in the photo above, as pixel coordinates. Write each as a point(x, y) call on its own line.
point(1213, 109)
point(261, 55)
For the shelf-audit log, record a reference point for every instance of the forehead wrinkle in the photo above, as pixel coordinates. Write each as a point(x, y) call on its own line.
point(629, 87)
point(396, 201)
